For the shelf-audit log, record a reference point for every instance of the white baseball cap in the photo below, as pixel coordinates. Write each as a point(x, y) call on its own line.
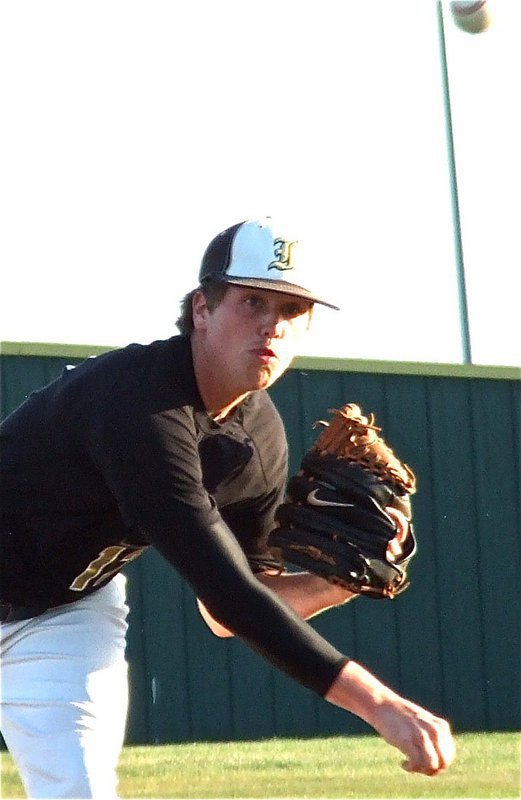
point(255, 253)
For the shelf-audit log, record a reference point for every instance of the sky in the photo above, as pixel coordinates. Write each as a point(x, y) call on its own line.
point(133, 131)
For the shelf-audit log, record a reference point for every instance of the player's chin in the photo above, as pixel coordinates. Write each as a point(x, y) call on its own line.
point(268, 374)
point(259, 374)
point(263, 379)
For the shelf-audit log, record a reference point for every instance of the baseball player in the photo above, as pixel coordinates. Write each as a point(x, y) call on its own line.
point(173, 445)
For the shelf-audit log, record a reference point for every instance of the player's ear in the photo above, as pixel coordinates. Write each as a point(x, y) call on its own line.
point(200, 309)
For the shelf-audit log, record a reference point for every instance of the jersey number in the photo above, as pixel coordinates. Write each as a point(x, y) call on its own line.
point(104, 566)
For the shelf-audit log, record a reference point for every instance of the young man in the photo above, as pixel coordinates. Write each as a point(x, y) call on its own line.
point(174, 445)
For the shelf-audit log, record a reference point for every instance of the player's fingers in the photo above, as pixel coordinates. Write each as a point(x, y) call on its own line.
point(394, 548)
point(401, 522)
point(434, 751)
point(424, 757)
point(445, 744)
point(419, 769)
point(424, 760)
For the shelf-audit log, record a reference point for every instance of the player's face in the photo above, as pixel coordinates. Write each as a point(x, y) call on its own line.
point(253, 335)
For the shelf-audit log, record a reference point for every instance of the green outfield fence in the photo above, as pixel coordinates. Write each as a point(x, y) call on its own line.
point(452, 642)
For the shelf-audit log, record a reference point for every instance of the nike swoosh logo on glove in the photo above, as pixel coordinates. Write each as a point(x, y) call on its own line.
point(313, 500)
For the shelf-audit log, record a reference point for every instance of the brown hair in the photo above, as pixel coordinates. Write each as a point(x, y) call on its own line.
point(213, 291)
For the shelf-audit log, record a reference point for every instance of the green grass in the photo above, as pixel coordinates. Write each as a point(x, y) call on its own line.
point(487, 766)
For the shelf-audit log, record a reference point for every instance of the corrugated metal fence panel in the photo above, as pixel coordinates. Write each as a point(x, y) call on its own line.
point(451, 642)
point(19, 376)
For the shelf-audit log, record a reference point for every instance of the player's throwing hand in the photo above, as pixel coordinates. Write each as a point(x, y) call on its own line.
point(424, 738)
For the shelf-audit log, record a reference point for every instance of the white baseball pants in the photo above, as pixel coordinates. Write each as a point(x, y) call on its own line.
point(65, 695)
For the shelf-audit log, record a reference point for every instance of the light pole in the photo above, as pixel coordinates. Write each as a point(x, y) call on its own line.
point(458, 246)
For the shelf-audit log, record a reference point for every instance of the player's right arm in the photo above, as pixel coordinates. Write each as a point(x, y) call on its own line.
point(424, 738)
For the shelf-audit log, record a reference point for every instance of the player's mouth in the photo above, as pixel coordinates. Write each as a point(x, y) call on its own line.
point(265, 354)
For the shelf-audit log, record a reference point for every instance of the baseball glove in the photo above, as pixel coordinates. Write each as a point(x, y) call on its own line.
point(334, 521)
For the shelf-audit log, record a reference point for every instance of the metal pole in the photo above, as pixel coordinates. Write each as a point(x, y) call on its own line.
point(458, 247)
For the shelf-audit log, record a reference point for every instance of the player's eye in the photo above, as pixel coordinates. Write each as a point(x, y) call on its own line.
point(255, 302)
point(295, 309)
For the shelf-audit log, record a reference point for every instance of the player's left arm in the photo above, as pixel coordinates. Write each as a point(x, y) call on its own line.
point(308, 594)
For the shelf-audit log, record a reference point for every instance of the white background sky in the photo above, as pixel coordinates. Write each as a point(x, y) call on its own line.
point(133, 131)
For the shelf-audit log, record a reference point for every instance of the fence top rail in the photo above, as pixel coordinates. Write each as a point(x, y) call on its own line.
point(301, 363)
